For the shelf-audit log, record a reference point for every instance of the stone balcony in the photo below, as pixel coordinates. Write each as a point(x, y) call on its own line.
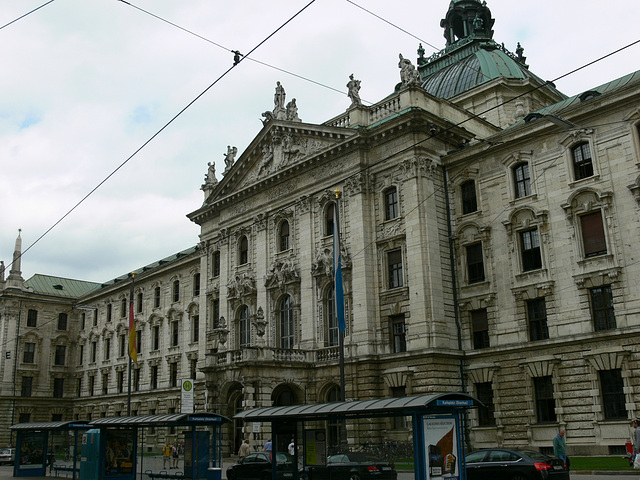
point(251, 355)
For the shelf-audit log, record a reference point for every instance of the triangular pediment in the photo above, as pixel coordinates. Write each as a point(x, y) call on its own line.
point(280, 146)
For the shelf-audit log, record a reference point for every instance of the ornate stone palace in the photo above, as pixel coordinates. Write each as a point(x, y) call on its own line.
point(488, 225)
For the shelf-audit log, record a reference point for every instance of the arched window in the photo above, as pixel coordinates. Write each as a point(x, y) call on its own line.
point(176, 290)
point(468, 194)
point(284, 398)
point(331, 320)
point(390, 203)
point(328, 220)
point(243, 250)
point(123, 307)
point(582, 162)
point(284, 236)
point(243, 332)
point(286, 322)
point(522, 180)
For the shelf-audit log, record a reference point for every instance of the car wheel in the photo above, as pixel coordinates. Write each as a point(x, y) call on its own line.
point(354, 476)
point(231, 475)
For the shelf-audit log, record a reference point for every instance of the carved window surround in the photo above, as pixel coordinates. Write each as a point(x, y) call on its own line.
point(546, 366)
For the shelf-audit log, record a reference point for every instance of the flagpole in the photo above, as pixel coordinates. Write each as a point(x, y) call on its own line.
point(338, 293)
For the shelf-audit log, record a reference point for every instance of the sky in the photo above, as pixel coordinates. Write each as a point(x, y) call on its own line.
point(86, 83)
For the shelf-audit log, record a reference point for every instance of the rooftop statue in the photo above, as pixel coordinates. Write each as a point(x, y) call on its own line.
point(408, 73)
point(279, 110)
point(354, 91)
point(292, 111)
point(230, 157)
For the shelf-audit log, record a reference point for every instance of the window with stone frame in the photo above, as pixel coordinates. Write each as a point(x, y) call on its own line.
point(109, 312)
point(120, 381)
point(156, 337)
point(612, 394)
point(544, 401)
point(139, 303)
point(468, 196)
point(156, 297)
point(94, 351)
point(331, 320)
point(243, 250)
point(32, 318)
point(24, 418)
point(521, 180)
point(286, 323)
point(582, 161)
point(394, 268)
point(537, 319)
point(243, 327)
point(138, 342)
point(196, 285)
point(283, 237)
point(123, 307)
point(122, 345)
point(107, 348)
point(78, 387)
point(486, 412)
point(176, 291)
point(92, 385)
point(153, 374)
point(400, 423)
point(58, 387)
point(105, 383)
point(593, 237)
point(175, 333)
point(398, 334)
point(81, 355)
point(602, 313)
point(29, 352)
point(391, 203)
point(62, 321)
point(195, 328)
point(215, 312)
point(530, 250)
point(193, 368)
point(83, 319)
point(480, 328)
point(136, 379)
point(215, 259)
point(173, 374)
point(328, 219)
point(26, 388)
point(60, 355)
point(475, 263)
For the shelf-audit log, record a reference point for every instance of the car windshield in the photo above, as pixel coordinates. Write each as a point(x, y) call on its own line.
point(5, 451)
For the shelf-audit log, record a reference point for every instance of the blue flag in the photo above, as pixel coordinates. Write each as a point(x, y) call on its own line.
point(337, 270)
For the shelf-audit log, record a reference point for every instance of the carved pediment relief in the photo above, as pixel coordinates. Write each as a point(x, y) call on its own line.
point(240, 285)
point(281, 272)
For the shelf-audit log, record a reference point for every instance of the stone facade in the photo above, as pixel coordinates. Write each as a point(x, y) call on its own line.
point(491, 254)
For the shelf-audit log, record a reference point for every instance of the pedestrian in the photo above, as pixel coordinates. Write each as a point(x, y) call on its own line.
point(166, 455)
point(560, 447)
point(244, 450)
point(636, 436)
point(292, 448)
point(176, 455)
point(268, 446)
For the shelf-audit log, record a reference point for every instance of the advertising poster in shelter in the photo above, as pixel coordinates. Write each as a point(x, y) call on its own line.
point(32, 450)
point(442, 449)
point(315, 447)
point(119, 452)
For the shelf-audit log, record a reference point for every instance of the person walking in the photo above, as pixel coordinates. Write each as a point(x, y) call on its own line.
point(176, 455)
point(244, 449)
point(560, 447)
point(166, 455)
point(268, 446)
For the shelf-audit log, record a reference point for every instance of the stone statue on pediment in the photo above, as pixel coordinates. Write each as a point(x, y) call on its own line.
point(279, 109)
point(267, 159)
point(354, 91)
point(323, 264)
point(408, 73)
point(281, 272)
point(292, 111)
point(230, 157)
point(241, 285)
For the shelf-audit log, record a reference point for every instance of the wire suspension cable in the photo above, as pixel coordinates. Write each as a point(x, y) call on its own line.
point(28, 13)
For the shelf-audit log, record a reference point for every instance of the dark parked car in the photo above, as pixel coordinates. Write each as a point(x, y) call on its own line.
point(516, 464)
point(257, 466)
point(352, 466)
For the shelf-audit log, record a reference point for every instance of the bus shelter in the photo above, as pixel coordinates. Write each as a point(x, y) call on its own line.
point(39, 444)
point(432, 425)
point(110, 447)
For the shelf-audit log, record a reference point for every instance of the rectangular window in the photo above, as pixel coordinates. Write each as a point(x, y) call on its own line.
point(602, 308)
point(154, 377)
point(124, 308)
point(62, 321)
point(81, 355)
point(399, 423)
point(105, 383)
point(94, 350)
point(612, 388)
point(95, 317)
point(391, 203)
point(156, 337)
point(83, 319)
point(78, 387)
point(399, 334)
point(484, 393)
point(120, 381)
point(475, 263)
point(56, 417)
point(469, 201)
point(530, 248)
point(109, 312)
point(545, 403)
point(522, 180)
point(139, 303)
point(92, 385)
point(29, 354)
point(394, 260)
point(122, 349)
point(139, 341)
point(27, 386)
point(195, 326)
point(215, 307)
point(193, 368)
point(24, 418)
point(58, 387)
point(593, 239)
point(107, 348)
point(216, 263)
point(173, 374)
point(480, 328)
point(61, 352)
point(156, 297)
point(196, 285)
point(537, 316)
point(176, 291)
point(174, 334)
point(32, 318)
point(136, 379)
point(582, 162)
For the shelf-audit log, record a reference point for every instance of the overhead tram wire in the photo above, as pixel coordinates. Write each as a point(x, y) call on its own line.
point(190, 32)
point(28, 13)
point(161, 130)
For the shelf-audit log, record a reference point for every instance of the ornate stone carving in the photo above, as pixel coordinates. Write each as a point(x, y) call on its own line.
point(356, 184)
point(323, 264)
point(229, 158)
point(280, 273)
point(240, 285)
point(260, 323)
point(408, 73)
